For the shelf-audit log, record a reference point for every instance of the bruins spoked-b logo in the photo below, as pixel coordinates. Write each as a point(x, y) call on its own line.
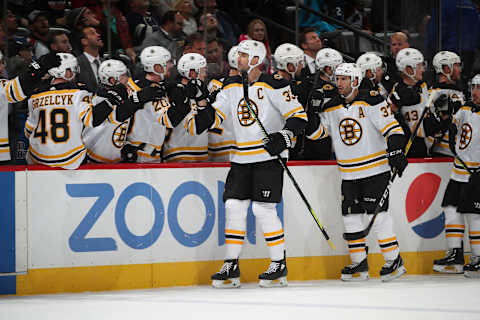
point(350, 131)
point(465, 136)
point(243, 113)
point(120, 134)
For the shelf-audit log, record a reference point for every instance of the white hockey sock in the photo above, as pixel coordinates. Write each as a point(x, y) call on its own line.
point(474, 232)
point(235, 226)
point(272, 228)
point(454, 227)
point(356, 248)
point(387, 240)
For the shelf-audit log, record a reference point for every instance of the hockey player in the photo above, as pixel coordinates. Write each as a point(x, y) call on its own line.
point(255, 176)
point(449, 98)
point(366, 139)
point(180, 146)
point(313, 94)
point(461, 195)
point(408, 98)
point(372, 72)
point(18, 89)
point(146, 135)
point(220, 141)
point(104, 142)
point(57, 117)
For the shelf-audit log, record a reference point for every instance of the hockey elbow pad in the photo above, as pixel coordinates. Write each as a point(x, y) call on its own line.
point(204, 119)
point(126, 110)
point(100, 113)
point(295, 125)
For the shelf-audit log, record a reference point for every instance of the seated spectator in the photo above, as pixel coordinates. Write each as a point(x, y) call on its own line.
point(258, 31)
point(186, 10)
point(77, 19)
point(195, 44)
point(119, 32)
point(89, 61)
point(58, 41)
point(140, 21)
point(227, 27)
point(55, 11)
point(170, 34)
point(217, 66)
point(39, 28)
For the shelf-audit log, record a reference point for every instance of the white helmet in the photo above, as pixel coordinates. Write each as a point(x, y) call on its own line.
point(445, 58)
point(254, 49)
point(409, 57)
point(350, 70)
point(288, 53)
point(233, 57)
point(150, 56)
point(328, 58)
point(191, 61)
point(369, 61)
point(474, 82)
point(67, 61)
point(111, 69)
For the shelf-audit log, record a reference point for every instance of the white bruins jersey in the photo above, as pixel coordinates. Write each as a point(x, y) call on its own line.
point(272, 100)
point(104, 142)
point(10, 92)
point(467, 142)
point(180, 146)
point(54, 127)
point(442, 144)
point(412, 113)
point(359, 132)
point(220, 140)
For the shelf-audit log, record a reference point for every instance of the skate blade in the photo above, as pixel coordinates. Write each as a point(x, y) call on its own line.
point(223, 284)
point(394, 275)
point(280, 282)
point(359, 276)
point(472, 274)
point(454, 268)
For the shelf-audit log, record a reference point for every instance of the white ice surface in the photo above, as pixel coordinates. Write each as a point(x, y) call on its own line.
point(431, 297)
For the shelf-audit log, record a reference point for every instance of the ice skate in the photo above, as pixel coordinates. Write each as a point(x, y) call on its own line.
point(275, 276)
point(228, 276)
point(452, 262)
point(392, 269)
point(356, 271)
point(472, 269)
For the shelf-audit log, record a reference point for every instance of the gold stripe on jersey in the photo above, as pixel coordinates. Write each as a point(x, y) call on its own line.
point(320, 133)
point(138, 143)
point(60, 162)
point(3, 140)
point(4, 146)
point(147, 155)
point(367, 157)
point(262, 84)
point(133, 85)
point(334, 108)
point(58, 156)
point(217, 83)
point(173, 150)
point(232, 85)
point(363, 167)
point(101, 159)
point(363, 163)
point(459, 169)
point(297, 113)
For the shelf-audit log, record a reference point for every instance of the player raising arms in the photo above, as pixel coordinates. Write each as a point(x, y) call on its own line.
point(255, 176)
point(366, 139)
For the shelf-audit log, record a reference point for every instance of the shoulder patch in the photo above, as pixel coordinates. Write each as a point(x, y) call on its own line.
point(277, 76)
point(373, 93)
point(371, 97)
point(328, 87)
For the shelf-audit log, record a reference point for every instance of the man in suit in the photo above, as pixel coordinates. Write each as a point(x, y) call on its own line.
point(89, 60)
point(311, 43)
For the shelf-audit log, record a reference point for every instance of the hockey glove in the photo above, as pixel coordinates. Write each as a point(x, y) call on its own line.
point(180, 104)
point(441, 104)
point(396, 157)
point(196, 89)
point(316, 101)
point(117, 94)
point(278, 141)
point(129, 154)
point(150, 94)
point(405, 96)
point(45, 63)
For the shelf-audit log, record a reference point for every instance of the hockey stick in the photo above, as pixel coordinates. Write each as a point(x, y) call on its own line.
point(284, 166)
point(386, 192)
point(301, 148)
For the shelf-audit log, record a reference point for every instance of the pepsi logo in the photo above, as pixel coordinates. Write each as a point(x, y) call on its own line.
point(424, 219)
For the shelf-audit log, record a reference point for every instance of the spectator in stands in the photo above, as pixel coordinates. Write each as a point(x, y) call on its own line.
point(311, 43)
point(398, 41)
point(217, 65)
point(89, 61)
point(119, 32)
point(140, 21)
point(309, 20)
point(12, 27)
point(227, 27)
point(257, 30)
point(186, 10)
point(3, 74)
point(170, 34)
point(39, 28)
point(55, 11)
point(209, 24)
point(58, 41)
point(195, 44)
point(77, 19)
point(19, 57)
